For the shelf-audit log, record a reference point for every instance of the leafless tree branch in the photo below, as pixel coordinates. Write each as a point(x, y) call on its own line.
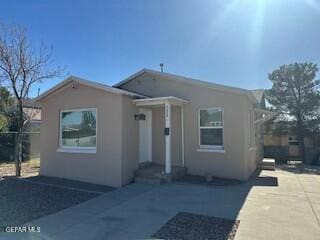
point(21, 66)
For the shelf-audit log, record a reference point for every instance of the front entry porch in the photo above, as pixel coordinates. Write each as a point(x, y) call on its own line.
point(153, 173)
point(161, 130)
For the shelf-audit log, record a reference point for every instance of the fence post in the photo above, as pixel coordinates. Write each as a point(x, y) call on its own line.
point(16, 148)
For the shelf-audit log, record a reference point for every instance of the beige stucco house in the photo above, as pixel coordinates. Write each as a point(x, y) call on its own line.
point(102, 134)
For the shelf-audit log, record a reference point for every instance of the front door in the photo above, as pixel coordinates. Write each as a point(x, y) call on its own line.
point(145, 136)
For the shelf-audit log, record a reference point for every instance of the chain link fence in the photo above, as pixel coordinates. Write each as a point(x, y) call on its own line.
point(30, 146)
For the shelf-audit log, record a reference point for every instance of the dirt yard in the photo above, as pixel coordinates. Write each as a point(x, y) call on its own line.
point(29, 169)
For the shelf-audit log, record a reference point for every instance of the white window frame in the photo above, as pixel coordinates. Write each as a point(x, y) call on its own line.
point(211, 147)
point(73, 149)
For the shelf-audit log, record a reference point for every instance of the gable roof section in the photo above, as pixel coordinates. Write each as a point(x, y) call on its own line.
point(258, 94)
point(197, 82)
point(89, 84)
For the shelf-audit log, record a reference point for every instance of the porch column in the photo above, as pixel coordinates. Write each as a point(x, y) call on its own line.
point(168, 136)
point(182, 134)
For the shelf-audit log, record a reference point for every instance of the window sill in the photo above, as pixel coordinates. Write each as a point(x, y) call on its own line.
point(74, 150)
point(211, 150)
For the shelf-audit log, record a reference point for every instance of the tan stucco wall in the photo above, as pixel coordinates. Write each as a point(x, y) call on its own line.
point(253, 152)
point(233, 163)
point(158, 138)
point(104, 167)
point(260, 143)
point(130, 143)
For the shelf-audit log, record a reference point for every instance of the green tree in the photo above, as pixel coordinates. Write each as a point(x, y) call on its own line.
point(6, 104)
point(295, 96)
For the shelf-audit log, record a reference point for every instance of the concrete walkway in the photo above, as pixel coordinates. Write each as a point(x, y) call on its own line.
point(284, 204)
point(289, 211)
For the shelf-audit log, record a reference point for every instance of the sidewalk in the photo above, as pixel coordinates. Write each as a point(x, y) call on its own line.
point(278, 204)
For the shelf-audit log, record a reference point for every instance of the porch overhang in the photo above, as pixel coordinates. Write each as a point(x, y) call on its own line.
point(160, 101)
point(167, 102)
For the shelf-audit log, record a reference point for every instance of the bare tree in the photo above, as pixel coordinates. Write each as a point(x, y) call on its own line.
point(21, 66)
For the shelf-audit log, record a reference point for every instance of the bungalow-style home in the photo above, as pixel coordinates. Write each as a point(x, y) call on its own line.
point(102, 134)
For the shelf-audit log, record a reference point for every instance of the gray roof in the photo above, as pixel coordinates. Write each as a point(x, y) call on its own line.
point(90, 84)
point(183, 79)
point(31, 103)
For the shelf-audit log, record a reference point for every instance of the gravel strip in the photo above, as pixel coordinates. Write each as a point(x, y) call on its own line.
point(22, 201)
point(69, 184)
point(188, 226)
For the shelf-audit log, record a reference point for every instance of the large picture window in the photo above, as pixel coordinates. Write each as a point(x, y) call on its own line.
point(78, 129)
point(211, 128)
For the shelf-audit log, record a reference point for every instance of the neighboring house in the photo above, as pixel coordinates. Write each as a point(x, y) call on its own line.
point(32, 115)
point(282, 143)
point(288, 141)
point(100, 134)
point(32, 111)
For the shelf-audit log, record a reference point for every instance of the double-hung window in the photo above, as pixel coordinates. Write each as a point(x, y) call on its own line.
point(78, 130)
point(211, 128)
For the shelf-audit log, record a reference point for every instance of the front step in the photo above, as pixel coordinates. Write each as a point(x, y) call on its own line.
point(268, 164)
point(155, 178)
point(154, 174)
point(148, 180)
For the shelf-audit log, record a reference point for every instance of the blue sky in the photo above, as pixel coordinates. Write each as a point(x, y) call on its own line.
point(232, 42)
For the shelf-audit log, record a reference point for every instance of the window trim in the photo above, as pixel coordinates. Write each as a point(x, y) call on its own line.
point(73, 149)
point(211, 147)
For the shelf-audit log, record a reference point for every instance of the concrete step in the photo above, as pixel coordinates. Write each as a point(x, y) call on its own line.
point(271, 168)
point(149, 180)
point(154, 173)
point(268, 164)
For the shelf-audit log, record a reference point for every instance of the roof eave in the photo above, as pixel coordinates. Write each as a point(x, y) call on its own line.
point(86, 83)
point(160, 100)
point(191, 81)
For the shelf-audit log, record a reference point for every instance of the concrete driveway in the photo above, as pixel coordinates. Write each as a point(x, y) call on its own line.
point(284, 204)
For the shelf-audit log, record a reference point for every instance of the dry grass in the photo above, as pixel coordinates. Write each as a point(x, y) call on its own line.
point(29, 168)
